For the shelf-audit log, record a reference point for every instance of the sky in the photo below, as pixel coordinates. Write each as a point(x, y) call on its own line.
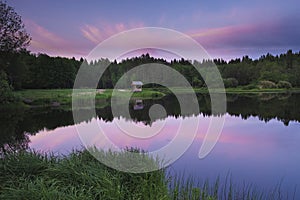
point(226, 29)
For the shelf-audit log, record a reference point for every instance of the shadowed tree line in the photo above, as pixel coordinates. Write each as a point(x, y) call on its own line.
point(31, 71)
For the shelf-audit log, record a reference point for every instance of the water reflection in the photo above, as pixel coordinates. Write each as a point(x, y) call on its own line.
point(138, 105)
point(17, 121)
point(252, 150)
point(12, 136)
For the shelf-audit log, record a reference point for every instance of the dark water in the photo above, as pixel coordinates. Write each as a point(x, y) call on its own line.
point(260, 142)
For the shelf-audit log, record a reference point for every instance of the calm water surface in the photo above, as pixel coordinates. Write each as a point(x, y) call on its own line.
point(260, 142)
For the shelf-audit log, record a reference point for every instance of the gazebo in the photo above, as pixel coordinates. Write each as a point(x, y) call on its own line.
point(136, 86)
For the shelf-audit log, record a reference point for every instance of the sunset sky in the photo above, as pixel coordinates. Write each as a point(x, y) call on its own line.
point(226, 29)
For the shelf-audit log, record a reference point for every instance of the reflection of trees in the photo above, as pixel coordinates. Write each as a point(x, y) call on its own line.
point(283, 107)
point(12, 138)
point(15, 144)
point(16, 121)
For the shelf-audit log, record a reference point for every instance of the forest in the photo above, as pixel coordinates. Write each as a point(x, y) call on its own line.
point(25, 70)
point(21, 69)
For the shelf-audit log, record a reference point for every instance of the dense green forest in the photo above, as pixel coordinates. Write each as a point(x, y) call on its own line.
point(31, 71)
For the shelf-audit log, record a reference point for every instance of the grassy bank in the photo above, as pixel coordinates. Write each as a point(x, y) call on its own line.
point(56, 97)
point(29, 175)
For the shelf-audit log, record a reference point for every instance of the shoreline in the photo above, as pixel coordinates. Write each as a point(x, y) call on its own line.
point(63, 97)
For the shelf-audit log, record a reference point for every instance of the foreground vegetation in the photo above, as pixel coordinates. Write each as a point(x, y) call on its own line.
point(30, 175)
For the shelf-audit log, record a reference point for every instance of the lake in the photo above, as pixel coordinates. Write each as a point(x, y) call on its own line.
point(259, 143)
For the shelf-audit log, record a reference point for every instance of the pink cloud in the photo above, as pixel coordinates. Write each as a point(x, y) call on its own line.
point(230, 41)
point(46, 41)
point(213, 36)
point(50, 42)
point(92, 33)
point(95, 34)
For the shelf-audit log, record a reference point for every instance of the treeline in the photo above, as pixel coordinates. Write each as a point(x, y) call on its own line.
point(40, 71)
point(279, 69)
point(26, 70)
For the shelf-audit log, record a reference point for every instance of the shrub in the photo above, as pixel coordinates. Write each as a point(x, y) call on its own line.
point(230, 83)
point(197, 82)
point(250, 87)
point(6, 94)
point(284, 84)
point(267, 84)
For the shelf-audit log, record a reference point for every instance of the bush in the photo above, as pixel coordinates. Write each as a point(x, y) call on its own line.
point(197, 82)
point(267, 84)
point(284, 84)
point(230, 83)
point(6, 94)
point(250, 87)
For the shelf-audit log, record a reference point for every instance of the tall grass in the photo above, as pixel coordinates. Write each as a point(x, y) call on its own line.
point(32, 175)
point(182, 187)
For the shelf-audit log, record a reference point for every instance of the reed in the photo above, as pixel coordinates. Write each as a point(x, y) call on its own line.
point(34, 175)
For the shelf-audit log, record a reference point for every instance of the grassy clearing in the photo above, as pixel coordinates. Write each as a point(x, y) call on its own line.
point(48, 97)
point(30, 175)
point(45, 96)
point(271, 90)
point(56, 97)
point(240, 90)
